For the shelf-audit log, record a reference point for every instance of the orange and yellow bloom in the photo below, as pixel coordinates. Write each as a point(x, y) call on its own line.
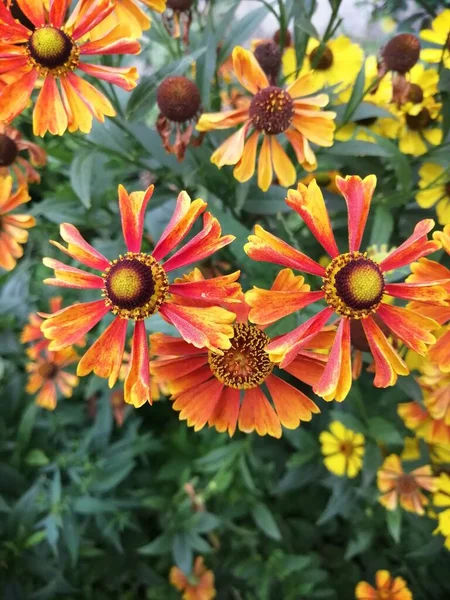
point(32, 333)
point(206, 387)
point(11, 163)
point(199, 585)
point(12, 226)
point(387, 588)
point(129, 13)
point(398, 487)
point(353, 287)
point(52, 51)
point(441, 500)
point(292, 112)
point(135, 286)
point(47, 374)
point(343, 450)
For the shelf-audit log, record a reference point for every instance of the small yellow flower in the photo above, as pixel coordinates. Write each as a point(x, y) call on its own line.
point(438, 34)
point(423, 86)
point(434, 187)
point(441, 499)
point(343, 450)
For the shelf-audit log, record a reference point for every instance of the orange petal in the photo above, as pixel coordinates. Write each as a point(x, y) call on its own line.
point(124, 77)
point(266, 247)
point(292, 405)
point(132, 211)
point(49, 113)
point(114, 42)
point(388, 363)
point(245, 168)
point(336, 380)
point(318, 129)
point(303, 86)
point(248, 70)
point(282, 164)
point(79, 249)
point(70, 324)
point(358, 196)
point(258, 415)
point(231, 150)
point(33, 10)
point(71, 277)
point(137, 382)
point(364, 591)
point(87, 15)
point(169, 369)
point(105, 355)
point(185, 214)
point(97, 103)
point(47, 396)
point(58, 9)
point(307, 370)
point(269, 306)
point(410, 327)
point(167, 345)
point(79, 116)
point(198, 404)
point(302, 149)
point(210, 291)
point(416, 246)
point(208, 327)
point(15, 97)
point(225, 415)
point(222, 120)
point(309, 203)
point(439, 353)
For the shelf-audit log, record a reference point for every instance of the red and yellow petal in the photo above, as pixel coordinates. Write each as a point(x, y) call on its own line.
point(49, 113)
point(47, 396)
point(416, 246)
point(439, 353)
point(291, 405)
point(124, 77)
point(266, 247)
point(225, 415)
point(96, 102)
point(86, 16)
point(185, 214)
point(167, 345)
point(358, 196)
point(248, 70)
point(257, 414)
point(79, 117)
point(336, 380)
point(70, 324)
point(410, 327)
point(15, 96)
point(245, 168)
point(132, 211)
point(231, 150)
point(33, 10)
point(137, 389)
point(309, 203)
point(215, 290)
point(105, 356)
point(364, 591)
point(388, 364)
point(269, 306)
point(117, 41)
point(66, 276)
point(222, 120)
point(58, 9)
point(431, 293)
point(197, 405)
point(79, 249)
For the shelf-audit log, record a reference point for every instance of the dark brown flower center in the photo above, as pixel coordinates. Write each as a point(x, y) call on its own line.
point(8, 150)
point(178, 99)
point(135, 286)
point(447, 188)
point(321, 58)
point(48, 370)
point(406, 484)
point(401, 53)
point(353, 285)
point(268, 54)
point(50, 47)
point(271, 110)
point(180, 5)
point(420, 121)
point(245, 364)
point(287, 37)
point(415, 93)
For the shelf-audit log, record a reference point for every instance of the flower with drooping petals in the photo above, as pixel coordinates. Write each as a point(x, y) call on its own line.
point(434, 187)
point(47, 374)
point(387, 588)
point(11, 162)
point(129, 13)
point(353, 287)
point(398, 487)
point(439, 35)
point(273, 111)
point(207, 387)
point(343, 450)
point(199, 585)
point(417, 418)
point(12, 226)
point(135, 286)
point(441, 499)
point(399, 56)
point(52, 51)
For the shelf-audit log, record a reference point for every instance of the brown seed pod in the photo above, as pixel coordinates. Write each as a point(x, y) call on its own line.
point(178, 99)
point(401, 53)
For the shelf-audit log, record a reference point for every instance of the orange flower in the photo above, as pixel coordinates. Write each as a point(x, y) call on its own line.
point(32, 330)
point(52, 50)
point(135, 286)
point(272, 111)
point(353, 287)
point(397, 486)
point(11, 143)
point(387, 588)
point(418, 419)
point(48, 376)
point(130, 13)
point(206, 387)
point(12, 227)
point(197, 586)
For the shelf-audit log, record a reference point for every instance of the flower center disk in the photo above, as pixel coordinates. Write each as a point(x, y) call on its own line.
point(401, 53)
point(51, 48)
point(48, 370)
point(8, 150)
point(321, 58)
point(420, 121)
point(178, 99)
point(271, 110)
point(353, 285)
point(406, 484)
point(246, 364)
point(135, 286)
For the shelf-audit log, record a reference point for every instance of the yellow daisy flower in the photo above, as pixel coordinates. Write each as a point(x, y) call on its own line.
point(339, 62)
point(423, 85)
point(129, 13)
point(439, 35)
point(343, 450)
point(434, 187)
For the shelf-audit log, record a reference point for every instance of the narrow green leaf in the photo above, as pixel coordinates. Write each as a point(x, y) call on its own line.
point(265, 521)
point(81, 172)
point(394, 523)
point(383, 226)
point(182, 552)
point(357, 94)
point(159, 546)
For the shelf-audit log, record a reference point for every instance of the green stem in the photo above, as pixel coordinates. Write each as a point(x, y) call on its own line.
point(283, 24)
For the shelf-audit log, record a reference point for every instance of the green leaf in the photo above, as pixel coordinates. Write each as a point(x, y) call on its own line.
point(383, 430)
point(81, 173)
point(359, 545)
point(182, 552)
point(240, 31)
point(159, 546)
point(206, 63)
point(356, 148)
point(357, 94)
point(205, 522)
point(90, 506)
point(394, 523)
point(26, 427)
point(55, 491)
point(383, 226)
point(35, 538)
point(339, 503)
point(398, 160)
point(304, 24)
point(265, 521)
point(36, 458)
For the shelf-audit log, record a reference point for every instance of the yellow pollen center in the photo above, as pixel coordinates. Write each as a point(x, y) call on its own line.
point(135, 286)
point(353, 285)
point(52, 50)
point(245, 364)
